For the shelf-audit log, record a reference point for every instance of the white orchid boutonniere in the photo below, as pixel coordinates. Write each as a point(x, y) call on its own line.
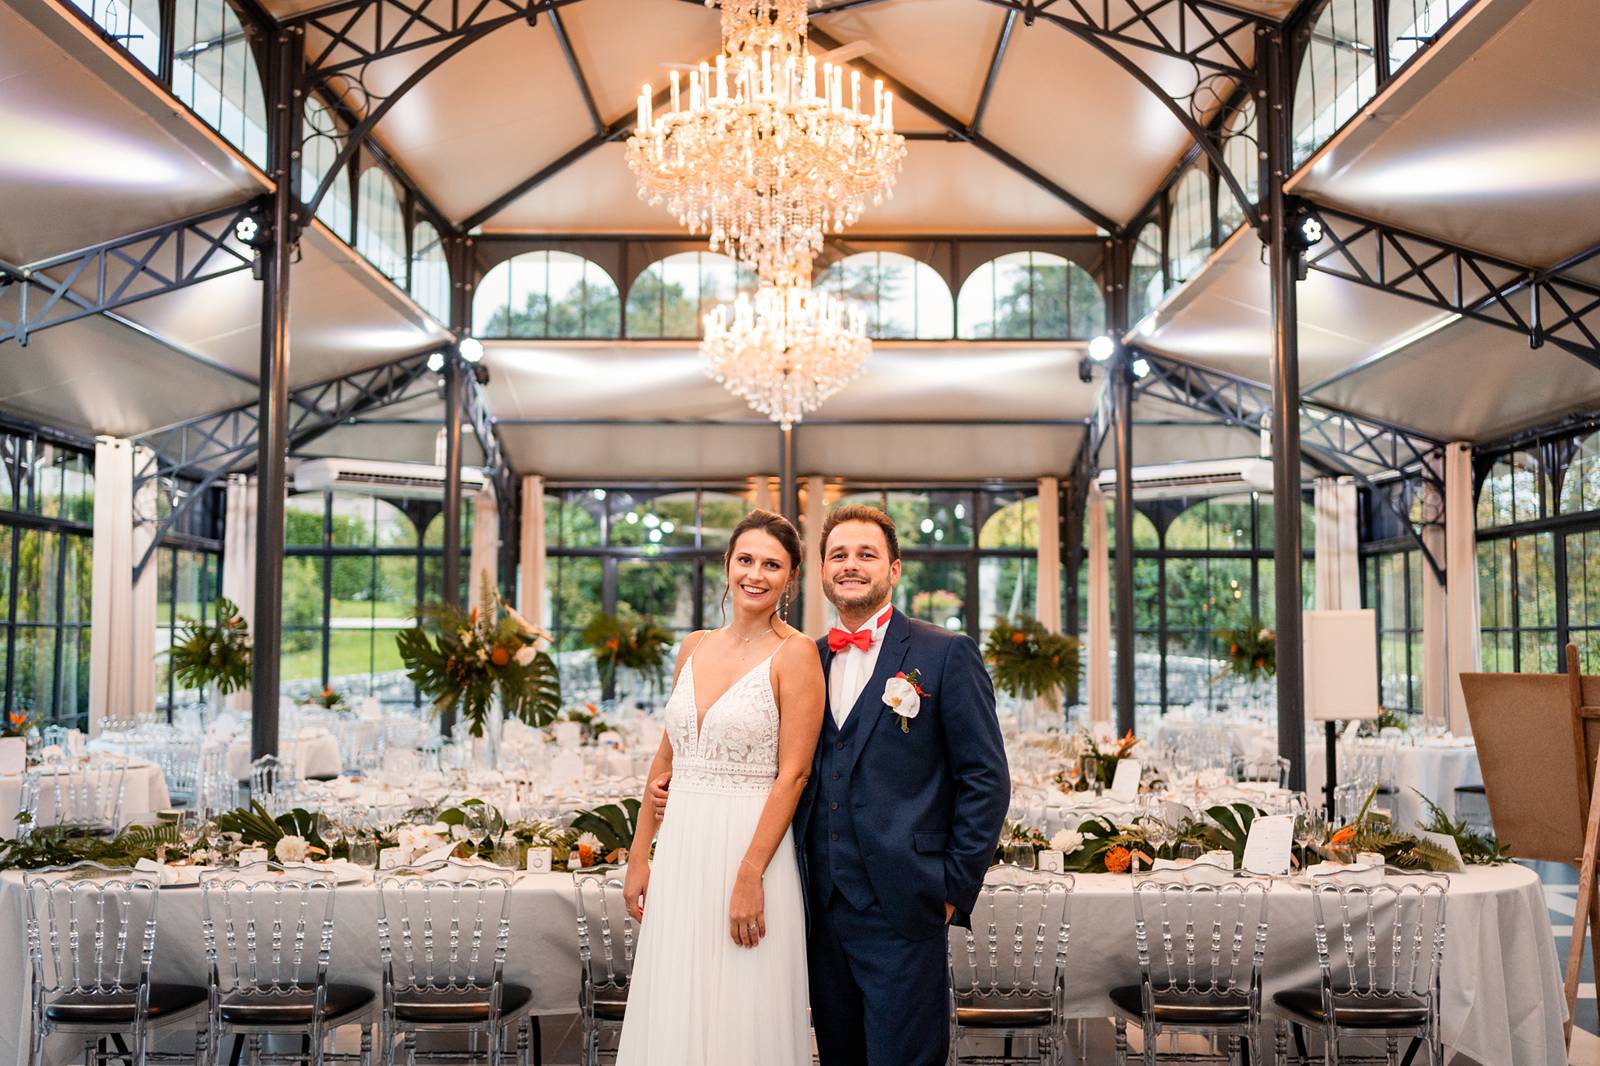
point(903, 694)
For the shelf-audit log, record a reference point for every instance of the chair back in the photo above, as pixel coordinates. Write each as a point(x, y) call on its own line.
point(1017, 945)
point(1200, 931)
point(215, 787)
point(87, 794)
point(1384, 940)
point(91, 930)
point(443, 926)
point(267, 929)
point(606, 932)
point(274, 782)
point(1269, 768)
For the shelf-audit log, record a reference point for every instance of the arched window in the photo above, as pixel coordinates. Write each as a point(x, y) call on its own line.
point(900, 297)
point(671, 297)
point(430, 271)
point(321, 136)
point(1148, 281)
point(1337, 74)
point(214, 72)
point(1240, 154)
point(1413, 23)
point(1189, 238)
point(546, 294)
point(1580, 488)
point(1031, 296)
point(1514, 491)
point(381, 237)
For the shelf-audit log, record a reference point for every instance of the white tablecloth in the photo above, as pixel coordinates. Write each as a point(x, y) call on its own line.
point(1434, 768)
point(315, 753)
point(144, 791)
point(1502, 988)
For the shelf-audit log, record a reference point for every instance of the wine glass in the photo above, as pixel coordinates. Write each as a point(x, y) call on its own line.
point(478, 827)
point(330, 828)
point(1091, 772)
point(1071, 772)
point(191, 824)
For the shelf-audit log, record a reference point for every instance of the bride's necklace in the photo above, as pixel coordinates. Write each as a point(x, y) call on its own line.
point(735, 633)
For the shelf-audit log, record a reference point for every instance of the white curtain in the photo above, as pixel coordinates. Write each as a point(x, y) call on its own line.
point(1048, 601)
point(1099, 635)
point(1338, 560)
point(816, 613)
point(1462, 653)
point(484, 556)
point(239, 558)
point(1435, 676)
point(122, 614)
point(531, 591)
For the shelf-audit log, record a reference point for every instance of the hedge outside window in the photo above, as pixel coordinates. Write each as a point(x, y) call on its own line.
point(1031, 296)
point(671, 297)
point(546, 294)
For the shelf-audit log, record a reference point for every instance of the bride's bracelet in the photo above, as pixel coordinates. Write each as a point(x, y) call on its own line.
point(747, 862)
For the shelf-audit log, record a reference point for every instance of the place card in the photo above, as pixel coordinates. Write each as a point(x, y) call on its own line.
point(540, 860)
point(1052, 861)
point(1446, 842)
point(1125, 782)
point(391, 858)
point(1266, 849)
point(13, 755)
point(250, 855)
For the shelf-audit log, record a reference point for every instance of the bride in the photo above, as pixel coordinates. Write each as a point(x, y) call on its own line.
point(720, 976)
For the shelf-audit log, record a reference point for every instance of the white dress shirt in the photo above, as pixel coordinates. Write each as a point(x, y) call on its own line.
point(851, 668)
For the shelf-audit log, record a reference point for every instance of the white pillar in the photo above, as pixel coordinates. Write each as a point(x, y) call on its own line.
point(239, 558)
point(111, 665)
point(816, 615)
point(1463, 649)
point(532, 595)
point(1099, 635)
point(1338, 559)
point(1048, 600)
point(483, 558)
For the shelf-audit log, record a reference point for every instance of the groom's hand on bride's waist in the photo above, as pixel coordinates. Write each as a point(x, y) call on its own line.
point(658, 794)
point(949, 912)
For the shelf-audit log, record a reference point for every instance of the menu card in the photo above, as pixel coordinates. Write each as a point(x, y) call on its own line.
point(1125, 782)
point(1267, 848)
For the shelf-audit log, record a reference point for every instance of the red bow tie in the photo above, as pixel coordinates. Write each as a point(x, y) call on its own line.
point(839, 639)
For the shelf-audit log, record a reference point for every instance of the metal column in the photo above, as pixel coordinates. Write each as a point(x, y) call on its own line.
point(788, 483)
point(1122, 383)
point(450, 570)
point(1286, 549)
point(272, 430)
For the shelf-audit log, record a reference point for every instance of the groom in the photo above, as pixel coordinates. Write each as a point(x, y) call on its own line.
point(901, 815)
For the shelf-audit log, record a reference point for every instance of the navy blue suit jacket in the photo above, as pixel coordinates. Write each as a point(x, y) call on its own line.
point(929, 803)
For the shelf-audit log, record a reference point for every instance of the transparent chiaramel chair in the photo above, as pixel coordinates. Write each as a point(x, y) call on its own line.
point(1200, 934)
point(268, 933)
point(606, 941)
point(1379, 946)
point(91, 939)
point(85, 797)
point(1008, 972)
point(274, 783)
point(443, 931)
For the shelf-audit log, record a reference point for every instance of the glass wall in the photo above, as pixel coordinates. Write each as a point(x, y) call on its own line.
point(547, 294)
point(671, 297)
point(46, 523)
point(1391, 586)
point(900, 297)
point(188, 573)
point(1189, 236)
point(1031, 295)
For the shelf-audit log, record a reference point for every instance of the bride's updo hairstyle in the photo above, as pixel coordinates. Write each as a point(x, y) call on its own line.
point(780, 529)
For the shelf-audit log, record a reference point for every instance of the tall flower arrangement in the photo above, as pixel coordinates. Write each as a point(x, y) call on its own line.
point(1030, 662)
point(461, 659)
point(638, 645)
point(1252, 651)
point(213, 654)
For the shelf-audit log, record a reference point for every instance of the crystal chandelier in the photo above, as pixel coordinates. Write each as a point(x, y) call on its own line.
point(786, 350)
point(770, 152)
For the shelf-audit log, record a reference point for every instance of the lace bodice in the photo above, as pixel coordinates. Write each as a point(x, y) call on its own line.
point(735, 749)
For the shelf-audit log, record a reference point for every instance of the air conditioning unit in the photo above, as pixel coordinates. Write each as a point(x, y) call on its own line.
point(378, 478)
point(1216, 477)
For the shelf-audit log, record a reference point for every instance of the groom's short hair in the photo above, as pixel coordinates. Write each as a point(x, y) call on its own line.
point(860, 512)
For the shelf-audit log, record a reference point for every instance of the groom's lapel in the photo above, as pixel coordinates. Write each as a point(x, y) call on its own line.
point(896, 644)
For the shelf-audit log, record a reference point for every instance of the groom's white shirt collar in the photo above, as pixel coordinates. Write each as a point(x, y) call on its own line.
point(851, 669)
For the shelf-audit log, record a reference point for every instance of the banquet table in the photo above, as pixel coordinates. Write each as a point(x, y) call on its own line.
point(1502, 997)
point(315, 752)
point(144, 791)
point(1435, 767)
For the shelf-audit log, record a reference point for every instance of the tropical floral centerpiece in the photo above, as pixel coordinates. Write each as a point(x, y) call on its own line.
point(1252, 651)
point(17, 724)
point(462, 659)
point(217, 654)
point(1105, 759)
point(329, 700)
point(639, 645)
point(1028, 661)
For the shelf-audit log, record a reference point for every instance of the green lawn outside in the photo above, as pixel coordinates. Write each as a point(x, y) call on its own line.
point(350, 651)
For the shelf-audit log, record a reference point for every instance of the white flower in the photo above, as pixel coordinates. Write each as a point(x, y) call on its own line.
point(1265, 634)
point(1066, 841)
point(588, 840)
point(525, 655)
point(291, 849)
point(458, 833)
point(465, 636)
point(483, 655)
point(900, 696)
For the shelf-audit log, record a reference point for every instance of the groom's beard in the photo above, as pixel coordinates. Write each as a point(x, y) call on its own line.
point(868, 597)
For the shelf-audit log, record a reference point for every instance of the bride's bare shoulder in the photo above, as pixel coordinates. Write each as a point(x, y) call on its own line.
point(797, 648)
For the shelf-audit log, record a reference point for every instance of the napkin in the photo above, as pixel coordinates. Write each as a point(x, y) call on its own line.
point(164, 874)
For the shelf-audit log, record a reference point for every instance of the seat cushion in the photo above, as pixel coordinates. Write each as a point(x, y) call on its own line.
point(294, 1008)
point(1173, 1008)
point(1356, 1012)
point(118, 1010)
point(999, 1013)
point(610, 1007)
point(457, 1007)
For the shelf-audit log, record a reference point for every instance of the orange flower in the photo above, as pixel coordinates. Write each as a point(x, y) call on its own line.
point(499, 656)
point(1118, 859)
point(592, 709)
point(17, 718)
point(1260, 663)
point(1233, 649)
point(585, 855)
point(1019, 637)
point(613, 644)
point(327, 691)
point(473, 616)
point(1343, 836)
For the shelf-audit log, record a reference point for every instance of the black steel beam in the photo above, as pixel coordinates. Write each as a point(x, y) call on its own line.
point(1121, 389)
point(577, 71)
point(349, 35)
point(1213, 37)
point(124, 270)
point(1542, 305)
point(1002, 43)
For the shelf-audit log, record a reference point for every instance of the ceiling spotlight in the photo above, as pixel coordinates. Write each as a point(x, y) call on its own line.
point(1305, 226)
point(435, 361)
point(1140, 367)
point(1102, 348)
point(1085, 370)
point(250, 229)
point(471, 349)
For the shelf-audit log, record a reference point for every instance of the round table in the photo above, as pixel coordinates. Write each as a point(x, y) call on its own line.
point(144, 790)
point(315, 753)
point(1433, 767)
point(1502, 996)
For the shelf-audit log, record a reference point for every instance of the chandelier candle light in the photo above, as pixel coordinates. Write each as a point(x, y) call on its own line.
point(770, 152)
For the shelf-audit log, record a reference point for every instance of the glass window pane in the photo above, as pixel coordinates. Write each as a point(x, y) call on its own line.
point(576, 586)
point(659, 590)
point(933, 591)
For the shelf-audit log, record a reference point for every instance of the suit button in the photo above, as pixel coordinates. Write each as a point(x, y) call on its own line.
point(833, 836)
point(839, 746)
point(836, 775)
point(833, 806)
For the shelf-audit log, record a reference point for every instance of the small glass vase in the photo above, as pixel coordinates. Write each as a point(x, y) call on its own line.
point(486, 749)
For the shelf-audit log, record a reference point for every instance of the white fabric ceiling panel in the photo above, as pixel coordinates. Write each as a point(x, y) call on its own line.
point(388, 443)
point(89, 152)
point(596, 194)
point(936, 453)
point(1493, 143)
point(611, 453)
point(623, 44)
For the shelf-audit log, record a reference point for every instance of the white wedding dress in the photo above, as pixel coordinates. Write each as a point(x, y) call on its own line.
point(697, 998)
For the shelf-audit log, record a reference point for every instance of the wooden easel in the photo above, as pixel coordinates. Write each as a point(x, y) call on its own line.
point(1588, 902)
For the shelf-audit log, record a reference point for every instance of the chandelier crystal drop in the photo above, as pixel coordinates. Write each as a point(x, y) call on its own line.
point(763, 151)
point(786, 350)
